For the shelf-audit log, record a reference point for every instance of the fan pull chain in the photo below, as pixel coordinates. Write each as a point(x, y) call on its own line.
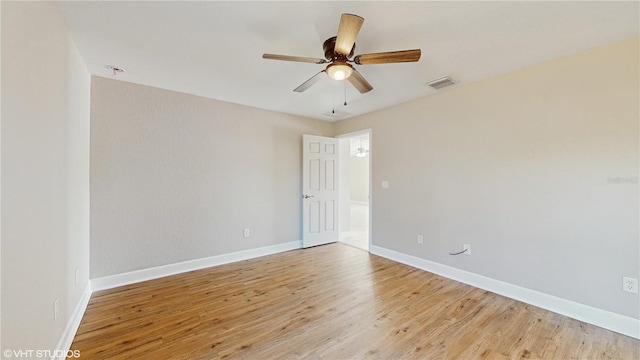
point(345, 92)
point(333, 103)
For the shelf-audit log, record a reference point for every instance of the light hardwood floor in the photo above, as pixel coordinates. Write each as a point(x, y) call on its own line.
point(329, 302)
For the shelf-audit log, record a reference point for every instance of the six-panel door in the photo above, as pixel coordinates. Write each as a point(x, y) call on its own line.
point(319, 190)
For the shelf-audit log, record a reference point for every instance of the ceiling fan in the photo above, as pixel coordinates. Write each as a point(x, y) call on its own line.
point(338, 51)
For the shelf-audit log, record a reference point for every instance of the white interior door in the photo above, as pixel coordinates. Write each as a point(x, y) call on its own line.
point(319, 190)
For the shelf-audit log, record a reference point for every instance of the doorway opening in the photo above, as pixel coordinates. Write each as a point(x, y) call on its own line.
point(355, 187)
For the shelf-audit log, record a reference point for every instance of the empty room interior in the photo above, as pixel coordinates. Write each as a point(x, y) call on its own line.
point(320, 180)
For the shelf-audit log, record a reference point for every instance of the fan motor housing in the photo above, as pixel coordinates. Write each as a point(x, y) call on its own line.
point(329, 49)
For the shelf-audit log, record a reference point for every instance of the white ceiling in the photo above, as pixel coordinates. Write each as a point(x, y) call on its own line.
point(214, 49)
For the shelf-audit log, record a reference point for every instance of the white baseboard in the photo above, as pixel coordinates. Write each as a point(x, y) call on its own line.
point(73, 324)
point(111, 281)
point(606, 319)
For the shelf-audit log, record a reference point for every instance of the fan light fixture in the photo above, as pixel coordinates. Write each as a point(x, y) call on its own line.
point(339, 71)
point(361, 152)
point(338, 52)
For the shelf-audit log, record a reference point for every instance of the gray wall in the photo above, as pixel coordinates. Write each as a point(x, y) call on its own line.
point(537, 170)
point(176, 177)
point(45, 175)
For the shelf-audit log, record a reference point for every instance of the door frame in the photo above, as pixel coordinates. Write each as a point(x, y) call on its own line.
point(340, 187)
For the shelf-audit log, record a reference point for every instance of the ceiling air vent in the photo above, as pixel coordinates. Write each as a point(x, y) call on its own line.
point(337, 114)
point(441, 82)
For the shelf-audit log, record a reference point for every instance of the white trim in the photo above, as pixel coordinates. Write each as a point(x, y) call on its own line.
point(356, 133)
point(606, 319)
point(111, 281)
point(64, 345)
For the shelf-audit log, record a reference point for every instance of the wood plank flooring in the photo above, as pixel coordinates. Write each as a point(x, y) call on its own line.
point(329, 302)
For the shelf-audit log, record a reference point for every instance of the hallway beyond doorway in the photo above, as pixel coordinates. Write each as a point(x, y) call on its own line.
point(355, 178)
point(358, 235)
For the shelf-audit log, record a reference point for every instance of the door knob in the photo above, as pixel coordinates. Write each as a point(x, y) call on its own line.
point(307, 196)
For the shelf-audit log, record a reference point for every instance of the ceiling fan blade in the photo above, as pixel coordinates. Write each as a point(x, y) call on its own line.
point(388, 57)
point(293, 58)
point(307, 84)
point(359, 82)
point(347, 32)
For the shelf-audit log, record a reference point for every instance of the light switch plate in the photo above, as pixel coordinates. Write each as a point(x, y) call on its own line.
point(385, 185)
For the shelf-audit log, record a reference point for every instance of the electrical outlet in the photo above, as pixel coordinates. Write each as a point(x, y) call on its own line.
point(467, 249)
point(56, 308)
point(630, 285)
point(420, 239)
point(246, 233)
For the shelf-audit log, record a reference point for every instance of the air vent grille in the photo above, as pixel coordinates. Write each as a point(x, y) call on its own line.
point(337, 114)
point(441, 82)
